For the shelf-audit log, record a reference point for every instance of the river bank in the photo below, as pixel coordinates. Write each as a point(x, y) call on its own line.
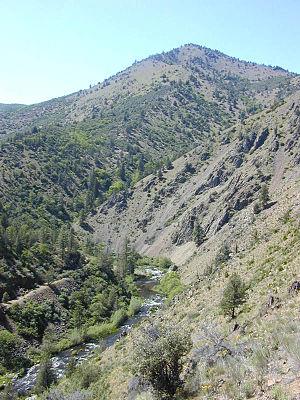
point(146, 284)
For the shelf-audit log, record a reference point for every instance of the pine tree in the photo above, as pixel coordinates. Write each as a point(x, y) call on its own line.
point(223, 255)
point(169, 164)
point(233, 296)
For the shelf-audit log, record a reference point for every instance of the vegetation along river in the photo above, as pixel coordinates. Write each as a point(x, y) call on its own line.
point(60, 362)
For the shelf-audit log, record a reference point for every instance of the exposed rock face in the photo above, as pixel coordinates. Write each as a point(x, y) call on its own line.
point(247, 143)
point(66, 285)
point(295, 287)
point(261, 139)
point(119, 200)
point(185, 232)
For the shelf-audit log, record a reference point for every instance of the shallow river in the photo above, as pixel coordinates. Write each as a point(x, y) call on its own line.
point(83, 352)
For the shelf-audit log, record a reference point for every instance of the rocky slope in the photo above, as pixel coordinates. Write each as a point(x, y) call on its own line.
point(64, 158)
point(213, 185)
point(256, 354)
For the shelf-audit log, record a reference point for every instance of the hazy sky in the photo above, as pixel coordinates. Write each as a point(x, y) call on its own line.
point(54, 47)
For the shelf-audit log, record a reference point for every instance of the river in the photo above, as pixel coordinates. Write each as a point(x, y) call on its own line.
point(152, 300)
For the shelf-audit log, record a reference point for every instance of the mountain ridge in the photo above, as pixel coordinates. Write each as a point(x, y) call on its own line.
point(37, 113)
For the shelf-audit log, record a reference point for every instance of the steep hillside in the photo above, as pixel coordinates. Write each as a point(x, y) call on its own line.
point(213, 186)
point(232, 209)
point(255, 355)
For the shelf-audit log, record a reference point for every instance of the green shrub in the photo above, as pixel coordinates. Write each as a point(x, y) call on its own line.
point(279, 393)
point(101, 331)
point(8, 345)
point(116, 187)
point(45, 377)
point(33, 318)
point(170, 285)
point(88, 373)
point(163, 263)
point(119, 317)
point(10, 358)
point(158, 358)
point(134, 306)
point(74, 338)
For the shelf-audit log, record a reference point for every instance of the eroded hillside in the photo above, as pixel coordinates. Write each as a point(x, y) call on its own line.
point(214, 186)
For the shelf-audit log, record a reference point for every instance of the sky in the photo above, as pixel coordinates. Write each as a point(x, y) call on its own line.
point(55, 47)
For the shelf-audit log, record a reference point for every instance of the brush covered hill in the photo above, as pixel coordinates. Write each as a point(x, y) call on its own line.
point(62, 159)
point(189, 154)
point(232, 85)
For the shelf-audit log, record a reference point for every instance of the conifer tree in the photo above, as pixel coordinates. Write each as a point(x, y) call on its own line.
point(233, 296)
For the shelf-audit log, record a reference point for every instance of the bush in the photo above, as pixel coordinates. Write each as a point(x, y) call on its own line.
point(9, 393)
point(159, 358)
point(8, 345)
point(170, 285)
point(119, 317)
point(116, 187)
point(101, 331)
point(222, 256)
point(279, 393)
point(198, 234)
point(56, 394)
point(74, 338)
point(9, 351)
point(163, 263)
point(5, 297)
point(45, 377)
point(134, 306)
point(86, 374)
point(33, 318)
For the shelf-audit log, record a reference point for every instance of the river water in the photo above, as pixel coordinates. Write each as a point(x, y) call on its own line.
point(85, 351)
